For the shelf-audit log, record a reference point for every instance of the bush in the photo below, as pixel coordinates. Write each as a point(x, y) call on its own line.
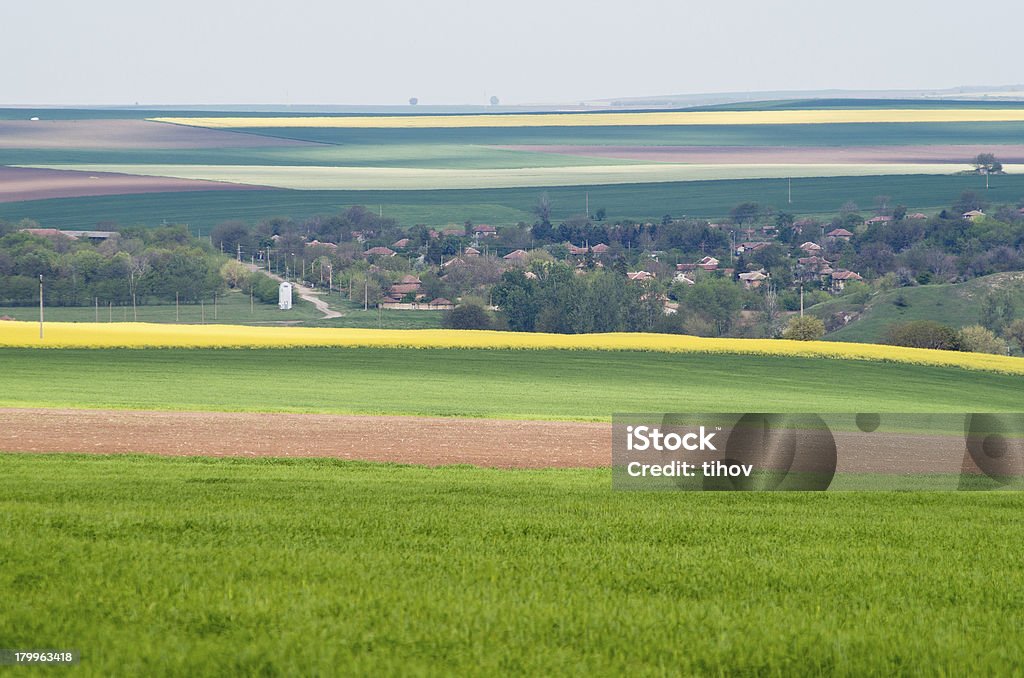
point(924, 334)
point(978, 339)
point(467, 317)
point(805, 328)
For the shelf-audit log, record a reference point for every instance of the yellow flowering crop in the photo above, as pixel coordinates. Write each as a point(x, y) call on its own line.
point(149, 335)
point(795, 117)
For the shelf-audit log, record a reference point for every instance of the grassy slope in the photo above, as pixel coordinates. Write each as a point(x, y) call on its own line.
point(955, 305)
point(502, 206)
point(211, 567)
point(540, 384)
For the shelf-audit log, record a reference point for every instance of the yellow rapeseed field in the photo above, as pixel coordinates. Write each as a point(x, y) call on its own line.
point(616, 119)
point(148, 335)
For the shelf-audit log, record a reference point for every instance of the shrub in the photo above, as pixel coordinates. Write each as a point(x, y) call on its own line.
point(924, 334)
point(467, 317)
point(805, 328)
point(978, 339)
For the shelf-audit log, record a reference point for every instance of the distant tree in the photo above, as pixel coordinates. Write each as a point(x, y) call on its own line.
point(600, 214)
point(978, 339)
point(543, 208)
point(467, 317)
point(806, 328)
point(924, 334)
point(1015, 332)
point(495, 101)
point(745, 212)
point(413, 101)
point(969, 200)
point(986, 163)
point(997, 310)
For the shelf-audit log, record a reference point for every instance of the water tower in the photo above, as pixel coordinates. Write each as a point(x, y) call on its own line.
point(284, 296)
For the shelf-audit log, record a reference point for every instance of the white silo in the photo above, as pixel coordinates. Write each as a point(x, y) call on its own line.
point(284, 296)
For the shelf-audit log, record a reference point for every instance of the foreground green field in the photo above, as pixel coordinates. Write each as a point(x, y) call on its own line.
point(533, 384)
point(710, 199)
point(152, 566)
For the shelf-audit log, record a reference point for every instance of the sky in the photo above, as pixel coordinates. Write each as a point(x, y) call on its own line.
point(382, 52)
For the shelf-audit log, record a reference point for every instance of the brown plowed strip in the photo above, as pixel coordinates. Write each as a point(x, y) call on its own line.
point(26, 183)
point(1007, 153)
point(409, 440)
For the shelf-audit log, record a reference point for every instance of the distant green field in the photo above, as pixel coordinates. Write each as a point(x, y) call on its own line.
point(156, 566)
point(955, 305)
point(233, 308)
point(711, 199)
point(829, 134)
point(529, 384)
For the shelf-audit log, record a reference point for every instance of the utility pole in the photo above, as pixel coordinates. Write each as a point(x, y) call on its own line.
point(177, 315)
point(790, 191)
point(239, 256)
point(96, 300)
point(366, 294)
point(588, 203)
point(40, 306)
point(801, 301)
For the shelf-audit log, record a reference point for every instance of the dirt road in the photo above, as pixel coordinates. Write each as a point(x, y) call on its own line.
point(304, 292)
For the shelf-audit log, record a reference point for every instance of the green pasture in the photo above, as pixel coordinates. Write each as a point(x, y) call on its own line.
point(527, 384)
point(234, 308)
point(828, 134)
point(709, 199)
point(956, 305)
point(159, 566)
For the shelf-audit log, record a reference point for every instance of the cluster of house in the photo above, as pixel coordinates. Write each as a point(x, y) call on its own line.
point(406, 294)
point(815, 266)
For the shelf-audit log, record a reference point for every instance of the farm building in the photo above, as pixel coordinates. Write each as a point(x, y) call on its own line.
point(839, 234)
point(379, 252)
point(973, 215)
point(284, 296)
point(485, 230)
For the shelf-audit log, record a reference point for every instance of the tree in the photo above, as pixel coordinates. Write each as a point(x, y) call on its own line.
point(495, 101)
point(978, 339)
point(413, 101)
point(997, 310)
point(467, 316)
point(543, 208)
point(1015, 332)
point(969, 200)
point(745, 212)
point(717, 301)
point(986, 163)
point(805, 328)
point(924, 334)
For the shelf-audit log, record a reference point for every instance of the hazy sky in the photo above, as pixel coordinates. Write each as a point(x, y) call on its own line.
point(460, 51)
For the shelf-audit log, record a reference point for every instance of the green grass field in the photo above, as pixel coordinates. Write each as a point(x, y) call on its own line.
point(234, 308)
point(542, 384)
point(711, 199)
point(153, 566)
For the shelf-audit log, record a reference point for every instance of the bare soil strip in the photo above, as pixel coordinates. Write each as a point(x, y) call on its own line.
point(24, 183)
point(129, 134)
point(409, 440)
point(1007, 153)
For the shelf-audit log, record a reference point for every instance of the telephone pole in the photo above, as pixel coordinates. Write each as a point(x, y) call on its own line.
point(40, 306)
